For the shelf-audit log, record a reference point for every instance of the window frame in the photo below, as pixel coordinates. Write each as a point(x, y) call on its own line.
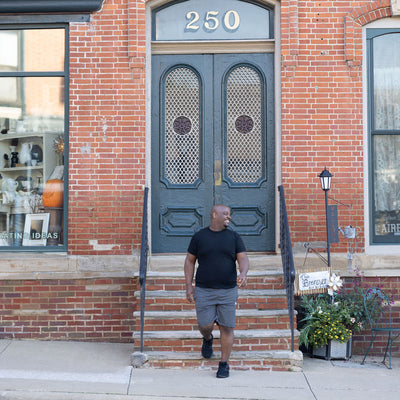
point(372, 33)
point(65, 75)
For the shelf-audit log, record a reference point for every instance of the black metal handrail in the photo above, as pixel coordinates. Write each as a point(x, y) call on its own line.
point(143, 265)
point(287, 260)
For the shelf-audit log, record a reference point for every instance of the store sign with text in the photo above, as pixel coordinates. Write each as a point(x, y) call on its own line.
point(387, 225)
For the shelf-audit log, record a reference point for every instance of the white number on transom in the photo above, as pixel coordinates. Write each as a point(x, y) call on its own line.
point(230, 21)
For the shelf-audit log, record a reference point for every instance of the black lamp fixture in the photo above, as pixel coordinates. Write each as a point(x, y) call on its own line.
point(325, 176)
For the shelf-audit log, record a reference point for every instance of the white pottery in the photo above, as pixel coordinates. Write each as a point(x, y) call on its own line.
point(9, 185)
point(8, 198)
point(20, 127)
point(25, 156)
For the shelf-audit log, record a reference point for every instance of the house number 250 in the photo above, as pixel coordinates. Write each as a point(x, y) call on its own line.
point(230, 21)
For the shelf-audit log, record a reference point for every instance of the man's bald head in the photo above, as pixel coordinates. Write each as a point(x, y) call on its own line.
point(218, 208)
point(220, 217)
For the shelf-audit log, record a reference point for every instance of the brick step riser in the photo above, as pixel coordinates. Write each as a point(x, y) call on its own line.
point(194, 345)
point(262, 303)
point(256, 365)
point(279, 285)
point(242, 323)
point(168, 305)
point(182, 307)
point(244, 303)
point(178, 283)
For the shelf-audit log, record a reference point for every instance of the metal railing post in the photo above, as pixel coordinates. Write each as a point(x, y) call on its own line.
point(143, 266)
point(287, 261)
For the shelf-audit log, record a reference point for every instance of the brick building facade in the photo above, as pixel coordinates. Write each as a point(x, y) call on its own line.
point(314, 67)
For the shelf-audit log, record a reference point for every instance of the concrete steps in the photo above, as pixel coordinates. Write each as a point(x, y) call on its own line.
point(262, 333)
point(279, 360)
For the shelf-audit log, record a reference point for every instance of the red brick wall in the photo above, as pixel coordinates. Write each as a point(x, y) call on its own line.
point(73, 309)
point(322, 120)
point(321, 95)
point(361, 340)
point(321, 86)
point(107, 89)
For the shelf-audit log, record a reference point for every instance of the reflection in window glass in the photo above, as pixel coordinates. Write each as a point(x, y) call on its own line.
point(36, 103)
point(387, 185)
point(386, 65)
point(32, 50)
point(9, 92)
point(32, 121)
point(9, 54)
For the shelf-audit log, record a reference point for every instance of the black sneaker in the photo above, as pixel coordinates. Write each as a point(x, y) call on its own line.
point(206, 348)
point(223, 370)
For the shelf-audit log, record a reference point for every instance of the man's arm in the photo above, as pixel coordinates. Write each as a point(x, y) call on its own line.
point(243, 262)
point(190, 262)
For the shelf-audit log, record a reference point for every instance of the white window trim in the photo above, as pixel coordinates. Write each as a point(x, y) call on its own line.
point(372, 249)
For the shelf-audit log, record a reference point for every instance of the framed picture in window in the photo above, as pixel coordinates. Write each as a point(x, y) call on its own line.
point(36, 229)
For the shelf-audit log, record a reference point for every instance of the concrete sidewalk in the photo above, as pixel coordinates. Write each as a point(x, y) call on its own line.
point(95, 371)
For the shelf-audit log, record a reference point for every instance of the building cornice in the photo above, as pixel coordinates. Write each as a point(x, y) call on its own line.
point(49, 6)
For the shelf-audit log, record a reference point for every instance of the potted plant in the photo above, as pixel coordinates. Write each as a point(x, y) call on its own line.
point(330, 320)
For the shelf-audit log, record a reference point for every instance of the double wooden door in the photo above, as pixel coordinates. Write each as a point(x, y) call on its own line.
point(212, 143)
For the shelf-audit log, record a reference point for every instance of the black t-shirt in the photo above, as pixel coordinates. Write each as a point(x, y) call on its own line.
point(216, 254)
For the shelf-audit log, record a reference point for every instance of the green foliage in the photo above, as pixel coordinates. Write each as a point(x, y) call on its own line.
point(337, 314)
point(326, 320)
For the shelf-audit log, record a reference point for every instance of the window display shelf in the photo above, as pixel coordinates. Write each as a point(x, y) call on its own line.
point(30, 147)
point(15, 135)
point(26, 168)
point(21, 186)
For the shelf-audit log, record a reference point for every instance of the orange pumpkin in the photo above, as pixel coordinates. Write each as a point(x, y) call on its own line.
point(53, 193)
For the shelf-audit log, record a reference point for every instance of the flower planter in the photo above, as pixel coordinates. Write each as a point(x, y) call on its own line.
point(334, 350)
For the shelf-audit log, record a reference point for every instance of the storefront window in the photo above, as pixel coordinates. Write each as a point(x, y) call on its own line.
point(384, 78)
point(33, 90)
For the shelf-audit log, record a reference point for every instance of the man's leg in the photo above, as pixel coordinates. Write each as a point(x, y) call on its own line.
point(226, 342)
point(206, 330)
point(226, 311)
point(226, 348)
point(206, 316)
point(207, 346)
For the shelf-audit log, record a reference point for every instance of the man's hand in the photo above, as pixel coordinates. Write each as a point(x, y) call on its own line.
point(242, 280)
point(190, 294)
point(190, 262)
point(243, 261)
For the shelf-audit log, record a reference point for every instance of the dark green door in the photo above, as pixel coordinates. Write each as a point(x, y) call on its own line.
point(212, 142)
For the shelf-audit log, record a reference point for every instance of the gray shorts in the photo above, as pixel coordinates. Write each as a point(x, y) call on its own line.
point(216, 305)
